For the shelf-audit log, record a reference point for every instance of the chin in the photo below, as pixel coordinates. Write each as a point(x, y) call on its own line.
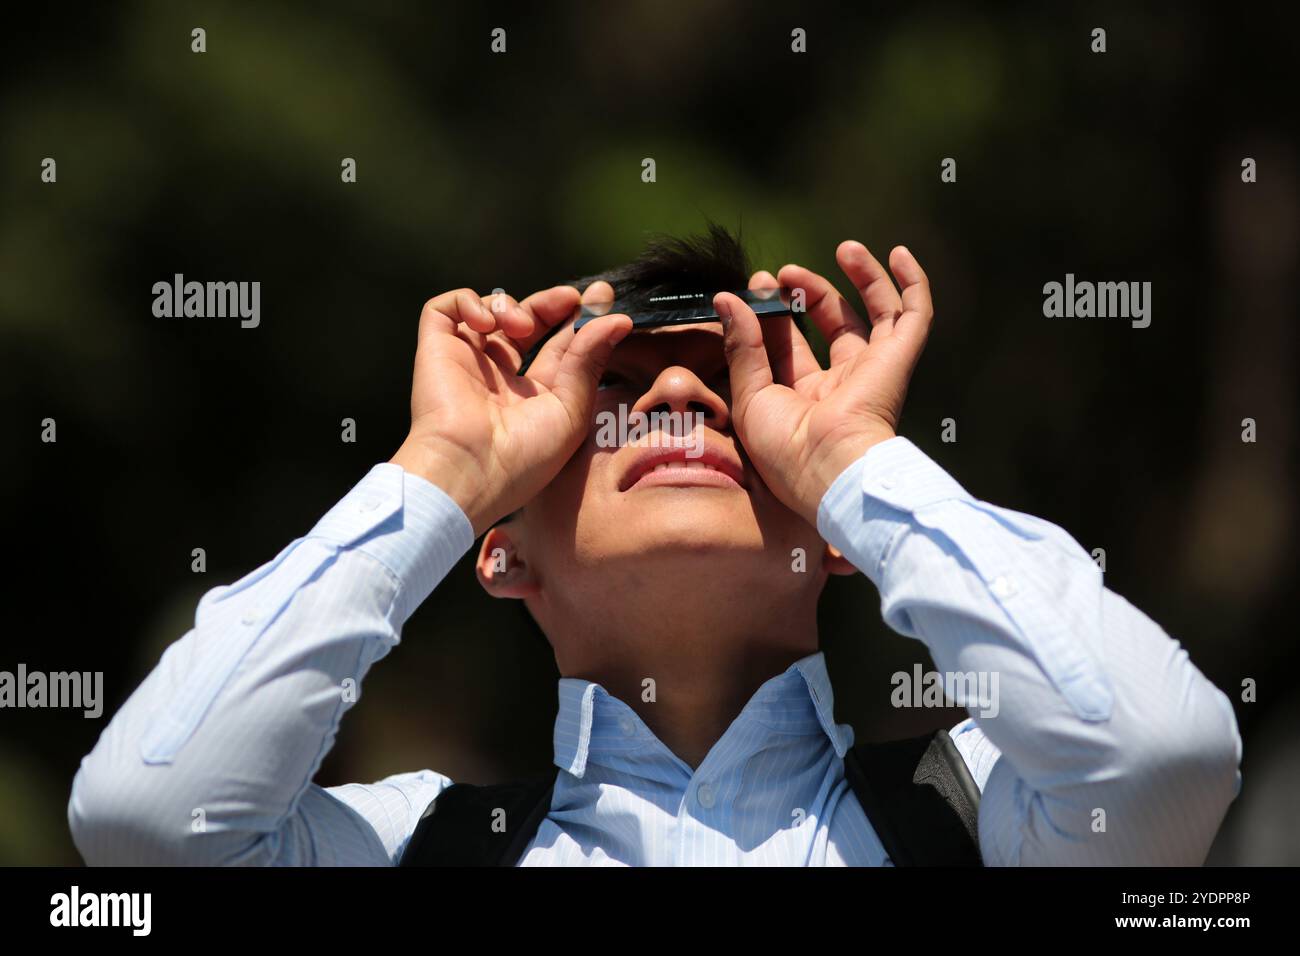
point(683, 534)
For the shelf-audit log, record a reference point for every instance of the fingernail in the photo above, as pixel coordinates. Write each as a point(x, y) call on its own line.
point(724, 309)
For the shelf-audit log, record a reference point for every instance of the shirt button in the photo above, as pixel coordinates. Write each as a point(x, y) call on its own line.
point(704, 794)
point(1002, 586)
point(887, 483)
point(628, 727)
point(370, 505)
point(250, 617)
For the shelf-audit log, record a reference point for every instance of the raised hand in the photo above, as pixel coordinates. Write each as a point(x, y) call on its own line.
point(800, 424)
point(488, 437)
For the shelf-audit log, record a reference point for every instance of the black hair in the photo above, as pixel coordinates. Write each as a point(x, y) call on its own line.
point(713, 261)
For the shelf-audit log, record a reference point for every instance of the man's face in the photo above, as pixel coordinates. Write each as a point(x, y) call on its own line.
point(610, 517)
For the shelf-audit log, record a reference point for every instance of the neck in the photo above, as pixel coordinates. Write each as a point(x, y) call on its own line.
point(705, 661)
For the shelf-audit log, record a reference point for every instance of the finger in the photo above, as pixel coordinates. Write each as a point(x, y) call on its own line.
point(746, 355)
point(583, 363)
point(507, 315)
point(918, 308)
point(547, 309)
point(446, 312)
point(502, 350)
point(844, 331)
point(791, 356)
point(547, 360)
point(598, 291)
point(873, 284)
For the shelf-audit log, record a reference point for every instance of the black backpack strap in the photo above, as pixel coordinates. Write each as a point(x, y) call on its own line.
point(920, 798)
point(918, 794)
point(460, 826)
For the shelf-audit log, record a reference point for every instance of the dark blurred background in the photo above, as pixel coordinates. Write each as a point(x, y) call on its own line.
point(524, 169)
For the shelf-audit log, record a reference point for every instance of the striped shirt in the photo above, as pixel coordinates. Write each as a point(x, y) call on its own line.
point(1101, 744)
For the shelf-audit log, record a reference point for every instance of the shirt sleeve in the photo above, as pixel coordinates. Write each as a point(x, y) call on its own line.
point(210, 761)
point(1094, 738)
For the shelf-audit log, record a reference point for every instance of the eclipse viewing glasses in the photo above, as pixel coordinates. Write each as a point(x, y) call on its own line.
point(685, 308)
point(675, 309)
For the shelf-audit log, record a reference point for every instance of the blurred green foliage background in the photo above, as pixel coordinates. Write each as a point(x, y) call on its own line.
point(523, 169)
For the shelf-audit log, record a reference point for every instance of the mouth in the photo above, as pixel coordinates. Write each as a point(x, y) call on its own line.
point(669, 466)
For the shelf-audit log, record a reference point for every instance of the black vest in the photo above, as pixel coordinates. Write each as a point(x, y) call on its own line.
point(918, 794)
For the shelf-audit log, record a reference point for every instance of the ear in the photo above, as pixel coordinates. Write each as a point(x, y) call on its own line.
point(501, 569)
point(835, 563)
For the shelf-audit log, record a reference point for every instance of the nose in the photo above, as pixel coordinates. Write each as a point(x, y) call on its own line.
point(678, 389)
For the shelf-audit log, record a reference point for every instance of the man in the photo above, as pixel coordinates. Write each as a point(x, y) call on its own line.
point(652, 565)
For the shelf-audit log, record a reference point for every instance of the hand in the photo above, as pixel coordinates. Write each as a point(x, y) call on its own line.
point(489, 438)
point(802, 425)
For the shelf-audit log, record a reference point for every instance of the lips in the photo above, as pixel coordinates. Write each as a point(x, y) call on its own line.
point(670, 465)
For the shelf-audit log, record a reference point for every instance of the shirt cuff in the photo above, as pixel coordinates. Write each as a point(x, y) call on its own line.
point(869, 503)
point(410, 526)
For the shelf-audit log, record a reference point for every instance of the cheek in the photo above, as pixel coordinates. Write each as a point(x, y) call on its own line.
point(560, 500)
point(572, 494)
point(781, 526)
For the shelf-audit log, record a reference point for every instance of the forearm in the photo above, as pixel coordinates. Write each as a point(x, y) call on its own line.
point(1101, 719)
point(209, 760)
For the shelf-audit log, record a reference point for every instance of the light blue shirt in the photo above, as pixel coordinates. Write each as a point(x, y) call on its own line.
point(1106, 744)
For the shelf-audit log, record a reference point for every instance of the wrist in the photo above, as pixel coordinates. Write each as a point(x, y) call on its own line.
point(456, 475)
point(838, 457)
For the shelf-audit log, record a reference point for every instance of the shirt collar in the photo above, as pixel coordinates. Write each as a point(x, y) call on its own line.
point(593, 725)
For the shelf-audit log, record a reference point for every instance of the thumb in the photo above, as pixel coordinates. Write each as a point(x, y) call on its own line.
point(584, 361)
point(746, 355)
